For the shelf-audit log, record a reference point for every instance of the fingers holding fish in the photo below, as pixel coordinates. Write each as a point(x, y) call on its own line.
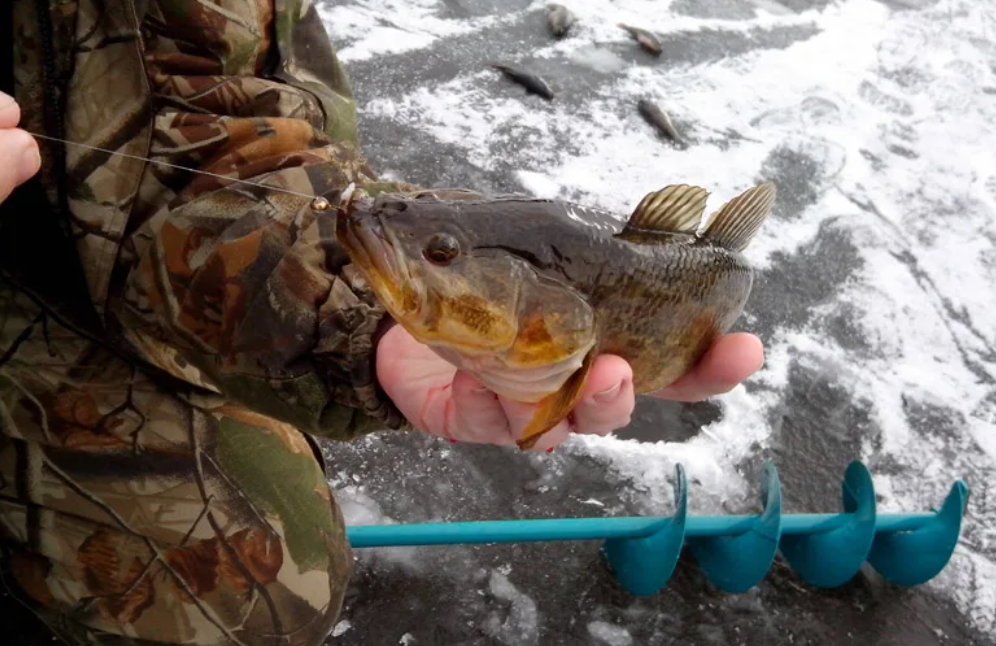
point(608, 399)
point(476, 415)
point(520, 414)
point(731, 360)
point(606, 404)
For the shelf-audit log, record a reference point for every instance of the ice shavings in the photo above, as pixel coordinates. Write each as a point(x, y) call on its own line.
point(370, 28)
point(984, 433)
point(709, 459)
point(971, 578)
point(608, 634)
point(519, 624)
point(341, 628)
point(360, 509)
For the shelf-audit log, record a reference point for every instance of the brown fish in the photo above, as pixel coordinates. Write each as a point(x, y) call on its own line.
point(533, 83)
point(659, 119)
point(646, 39)
point(559, 20)
point(524, 293)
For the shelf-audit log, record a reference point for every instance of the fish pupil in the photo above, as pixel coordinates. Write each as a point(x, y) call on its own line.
point(441, 249)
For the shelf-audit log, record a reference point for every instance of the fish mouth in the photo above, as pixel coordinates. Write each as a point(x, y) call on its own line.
point(376, 251)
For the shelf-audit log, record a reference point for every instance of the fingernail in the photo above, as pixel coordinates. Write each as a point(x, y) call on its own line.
point(607, 395)
point(452, 441)
point(550, 450)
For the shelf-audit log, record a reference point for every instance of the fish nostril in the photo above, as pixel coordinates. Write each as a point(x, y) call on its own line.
point(398, 206)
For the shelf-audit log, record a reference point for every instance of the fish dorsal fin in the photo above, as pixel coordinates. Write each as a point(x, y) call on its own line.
point(735, 224)
point(673, 209)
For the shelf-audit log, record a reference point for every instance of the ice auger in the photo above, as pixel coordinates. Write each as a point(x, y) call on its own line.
point(734, 552)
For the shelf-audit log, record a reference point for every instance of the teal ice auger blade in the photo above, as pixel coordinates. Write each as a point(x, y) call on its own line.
point(734, 552)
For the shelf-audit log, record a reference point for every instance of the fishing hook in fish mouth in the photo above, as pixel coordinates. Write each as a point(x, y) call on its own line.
point(346, 199)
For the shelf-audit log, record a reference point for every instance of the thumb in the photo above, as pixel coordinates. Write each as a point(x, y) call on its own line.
point(21, 158)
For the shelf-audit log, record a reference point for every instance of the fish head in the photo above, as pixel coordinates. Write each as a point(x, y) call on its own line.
point(445, 273)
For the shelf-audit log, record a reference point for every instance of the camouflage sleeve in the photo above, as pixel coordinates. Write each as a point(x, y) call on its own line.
point(241, 288)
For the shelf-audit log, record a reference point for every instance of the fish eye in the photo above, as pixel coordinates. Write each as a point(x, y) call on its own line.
point(441, 249)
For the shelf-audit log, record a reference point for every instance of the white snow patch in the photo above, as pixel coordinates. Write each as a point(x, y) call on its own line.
point(371, 28)
point(360, 509)
point(521, 626)
point(985, 435)
point(709, 458)
point(609, 634)
point(341, 628)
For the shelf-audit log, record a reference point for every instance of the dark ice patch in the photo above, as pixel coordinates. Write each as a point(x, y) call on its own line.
point(787, 292)
point(819, 427)
point(796, 175)
point(656, 420)
point(394, 75)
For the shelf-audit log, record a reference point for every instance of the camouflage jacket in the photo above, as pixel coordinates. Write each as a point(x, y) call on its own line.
point(234, 288)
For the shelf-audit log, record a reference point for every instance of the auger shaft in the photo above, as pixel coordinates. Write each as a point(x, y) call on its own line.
point(584, 529)
point(734, 552)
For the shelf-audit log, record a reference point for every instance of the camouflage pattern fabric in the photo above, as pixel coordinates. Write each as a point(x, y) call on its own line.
point(155, 482)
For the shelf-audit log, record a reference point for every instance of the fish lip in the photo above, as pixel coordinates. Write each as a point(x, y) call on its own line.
point(376, 250)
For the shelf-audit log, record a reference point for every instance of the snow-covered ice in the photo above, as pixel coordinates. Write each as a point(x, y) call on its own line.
point(875, 297)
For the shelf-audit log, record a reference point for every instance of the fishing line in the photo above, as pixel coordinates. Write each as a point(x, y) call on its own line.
point(316, 201)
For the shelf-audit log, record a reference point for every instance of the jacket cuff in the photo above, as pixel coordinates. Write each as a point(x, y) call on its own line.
point(352, 322)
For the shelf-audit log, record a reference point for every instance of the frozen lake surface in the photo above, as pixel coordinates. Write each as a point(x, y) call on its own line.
point(875, 301)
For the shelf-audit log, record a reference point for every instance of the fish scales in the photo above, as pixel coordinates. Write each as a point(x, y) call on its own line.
point(523, 293)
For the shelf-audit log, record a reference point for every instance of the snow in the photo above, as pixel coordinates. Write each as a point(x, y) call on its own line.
point(610, 635)
point(520, 626)
point(896, 113)
point(341, 628)
point(410, 25)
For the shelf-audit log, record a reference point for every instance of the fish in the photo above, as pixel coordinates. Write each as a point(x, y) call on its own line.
point(646, 39)
point(659, 119)
point(524, 293)
point(533, 83)
point(559, 20)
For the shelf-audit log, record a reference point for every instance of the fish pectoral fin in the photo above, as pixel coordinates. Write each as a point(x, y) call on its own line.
point(735, 224)
point(553, 408)
point(673, 209)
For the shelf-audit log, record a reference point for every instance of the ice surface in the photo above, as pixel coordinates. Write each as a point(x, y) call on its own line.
point(875, 296)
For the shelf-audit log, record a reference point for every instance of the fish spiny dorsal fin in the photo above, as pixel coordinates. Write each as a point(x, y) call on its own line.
point(735, 224)
point(673, 209)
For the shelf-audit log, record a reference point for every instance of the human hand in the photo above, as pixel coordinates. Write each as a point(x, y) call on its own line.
point(18, 149)
point(440, 400)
